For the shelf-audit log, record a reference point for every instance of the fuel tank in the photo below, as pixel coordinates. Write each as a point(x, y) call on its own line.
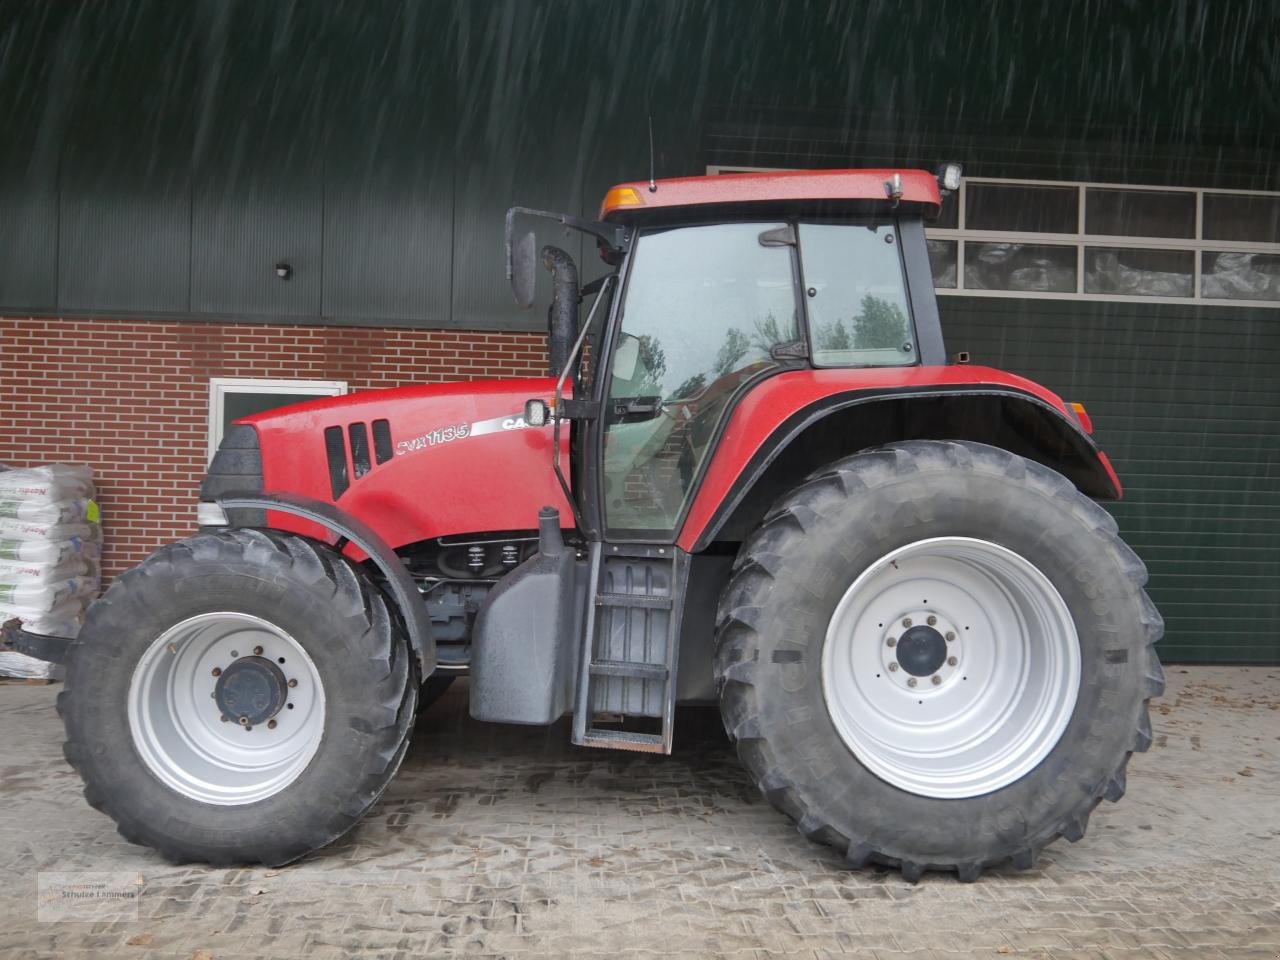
point(416, 462)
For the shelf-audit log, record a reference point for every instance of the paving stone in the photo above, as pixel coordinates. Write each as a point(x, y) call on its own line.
point(508, 842)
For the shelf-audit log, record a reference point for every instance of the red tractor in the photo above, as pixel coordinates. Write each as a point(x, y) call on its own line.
point(751, 476)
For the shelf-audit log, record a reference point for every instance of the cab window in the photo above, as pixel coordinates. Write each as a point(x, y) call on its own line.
point(856, 292)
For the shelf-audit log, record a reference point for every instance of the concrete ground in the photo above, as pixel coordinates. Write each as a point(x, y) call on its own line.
point(502, 841)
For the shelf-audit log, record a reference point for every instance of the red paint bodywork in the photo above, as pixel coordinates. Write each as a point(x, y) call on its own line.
point(795, 185)
point(497, 481)
point(477, 483)
point(767, 406)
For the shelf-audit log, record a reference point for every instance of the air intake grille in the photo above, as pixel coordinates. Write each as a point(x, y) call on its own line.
point(336, 450)
point(382, 440)
point(360, 464)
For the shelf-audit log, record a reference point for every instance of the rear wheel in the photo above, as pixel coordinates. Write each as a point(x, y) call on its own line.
point(240, 697)
point(937, 655)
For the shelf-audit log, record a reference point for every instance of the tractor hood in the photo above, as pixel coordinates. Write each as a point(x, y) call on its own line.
point(415, 462)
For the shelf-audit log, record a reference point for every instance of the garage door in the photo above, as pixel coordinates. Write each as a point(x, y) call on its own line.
point(1186, 402)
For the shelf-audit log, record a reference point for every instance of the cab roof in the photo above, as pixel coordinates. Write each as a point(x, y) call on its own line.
point(918, 186)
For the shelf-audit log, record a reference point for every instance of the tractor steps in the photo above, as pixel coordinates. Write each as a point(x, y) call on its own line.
point(630, 647)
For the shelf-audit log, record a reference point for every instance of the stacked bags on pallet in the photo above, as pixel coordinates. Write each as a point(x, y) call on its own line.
point(50, 547)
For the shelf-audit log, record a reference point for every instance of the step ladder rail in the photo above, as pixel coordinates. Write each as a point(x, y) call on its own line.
point(582, 706)
point(679, 578)
point(623, 652)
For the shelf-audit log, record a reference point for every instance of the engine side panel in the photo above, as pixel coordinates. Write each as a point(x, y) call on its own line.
point(459, 459)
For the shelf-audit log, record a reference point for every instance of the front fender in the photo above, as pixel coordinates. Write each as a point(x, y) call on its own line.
point(404, 592)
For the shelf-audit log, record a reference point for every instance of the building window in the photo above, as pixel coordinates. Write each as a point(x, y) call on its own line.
point(230, 399)
point(1100, 241)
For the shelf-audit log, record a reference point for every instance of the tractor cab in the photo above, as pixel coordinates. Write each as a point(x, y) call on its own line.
point(717, 285)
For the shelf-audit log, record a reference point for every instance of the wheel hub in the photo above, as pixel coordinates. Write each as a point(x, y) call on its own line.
point(921, 651)
point(951, 667)
point(251, 691)
point(219, 727)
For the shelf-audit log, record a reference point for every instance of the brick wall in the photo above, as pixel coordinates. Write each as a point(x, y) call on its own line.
point(131, 398)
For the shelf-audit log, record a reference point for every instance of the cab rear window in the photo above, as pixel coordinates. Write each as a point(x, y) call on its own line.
point(856, 293)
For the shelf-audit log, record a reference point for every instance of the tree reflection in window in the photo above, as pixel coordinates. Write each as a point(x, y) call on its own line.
point(857, 295)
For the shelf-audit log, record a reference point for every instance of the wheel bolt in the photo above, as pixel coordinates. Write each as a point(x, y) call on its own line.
point(293, 683)
point(257, 651)
point(935, 679)
point(224, 718)
point(952, 661)
point(950, 636)
point(906, 622)
point(271, 724)
point(893, 668)
point(932, 620)
point(892, 642)
point(911, 681)
point(244, 721)
point(217, 671)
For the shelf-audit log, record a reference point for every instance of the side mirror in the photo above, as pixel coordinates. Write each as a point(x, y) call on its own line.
point(536, 413)
point(523, 269)
point(626, 357)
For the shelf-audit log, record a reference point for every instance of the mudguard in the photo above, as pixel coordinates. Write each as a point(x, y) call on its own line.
point(779, 411)
point(361, 536)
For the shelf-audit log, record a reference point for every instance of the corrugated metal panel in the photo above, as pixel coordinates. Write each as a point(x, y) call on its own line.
point(258, 199)
point(1184, 400)
point(388, 206)
point(522, 129)
point(125, 215)
point(33, 118)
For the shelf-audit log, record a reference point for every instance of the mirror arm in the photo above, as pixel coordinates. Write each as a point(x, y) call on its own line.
point(559, 401)
point(615, 236)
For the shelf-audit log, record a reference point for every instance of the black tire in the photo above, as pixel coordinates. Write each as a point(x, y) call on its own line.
point(357, 647)
point(793, 570)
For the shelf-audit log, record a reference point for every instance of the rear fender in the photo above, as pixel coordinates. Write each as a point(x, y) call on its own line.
point(843, 423)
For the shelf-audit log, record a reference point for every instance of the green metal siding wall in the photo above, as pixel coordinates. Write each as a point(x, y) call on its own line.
point(1185, 401)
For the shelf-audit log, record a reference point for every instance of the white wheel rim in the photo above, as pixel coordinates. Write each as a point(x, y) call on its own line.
point(177, 724)
point(1002, 696)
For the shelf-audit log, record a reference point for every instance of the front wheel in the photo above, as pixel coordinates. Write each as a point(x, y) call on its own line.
point(240, 697)
point(938, 655)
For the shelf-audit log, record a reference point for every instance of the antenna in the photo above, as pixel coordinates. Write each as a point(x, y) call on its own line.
point(653, 184)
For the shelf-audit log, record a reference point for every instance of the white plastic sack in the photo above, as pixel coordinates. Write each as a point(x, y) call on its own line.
point(57, 481)
point(23, 571)
point(48, 511)
point(48, 551)
point(34, 530)
point(36, 599)
point(14, 664)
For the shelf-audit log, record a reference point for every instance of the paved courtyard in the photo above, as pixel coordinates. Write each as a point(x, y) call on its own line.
point(508, 842)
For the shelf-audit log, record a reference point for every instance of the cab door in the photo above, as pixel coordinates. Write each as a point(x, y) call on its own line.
point(708, 308)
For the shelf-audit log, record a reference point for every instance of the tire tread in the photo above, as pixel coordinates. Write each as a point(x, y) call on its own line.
point(784, 528)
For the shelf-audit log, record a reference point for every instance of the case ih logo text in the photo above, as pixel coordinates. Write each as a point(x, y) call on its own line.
point(432, 438)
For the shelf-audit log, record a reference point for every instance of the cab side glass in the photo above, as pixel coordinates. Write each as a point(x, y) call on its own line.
point(859, 314)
